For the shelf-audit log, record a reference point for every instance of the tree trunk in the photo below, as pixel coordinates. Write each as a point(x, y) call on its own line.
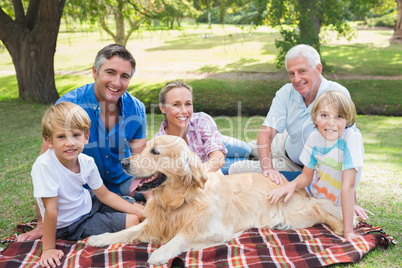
point(119, 19)
point(309, 24)
point(209, 13)
point(397, 37)
point(31, 41)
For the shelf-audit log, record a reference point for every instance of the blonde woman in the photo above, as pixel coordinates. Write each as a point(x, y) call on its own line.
point(199, 130)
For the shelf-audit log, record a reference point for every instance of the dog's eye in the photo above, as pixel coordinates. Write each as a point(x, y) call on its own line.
point(154, 151)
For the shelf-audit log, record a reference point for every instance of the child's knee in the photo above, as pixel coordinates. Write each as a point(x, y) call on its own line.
point(132, 220)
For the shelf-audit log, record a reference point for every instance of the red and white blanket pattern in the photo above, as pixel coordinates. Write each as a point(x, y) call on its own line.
point(257, 247)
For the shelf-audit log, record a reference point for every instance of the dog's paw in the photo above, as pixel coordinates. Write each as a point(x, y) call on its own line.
point(99, 240)
point(162, 255)
point(156, 259)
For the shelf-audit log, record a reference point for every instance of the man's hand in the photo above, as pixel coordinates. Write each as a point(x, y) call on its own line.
point(32, 235)
point(274, 175)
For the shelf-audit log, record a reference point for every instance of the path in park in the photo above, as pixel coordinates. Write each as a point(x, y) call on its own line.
point(233, 75)
point(260, 76)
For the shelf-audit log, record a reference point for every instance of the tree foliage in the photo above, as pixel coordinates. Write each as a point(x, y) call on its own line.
point(167, 11)
point(309, 17)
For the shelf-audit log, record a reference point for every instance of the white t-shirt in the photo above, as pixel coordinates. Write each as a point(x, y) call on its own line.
point(329, 159)
point(50, 179)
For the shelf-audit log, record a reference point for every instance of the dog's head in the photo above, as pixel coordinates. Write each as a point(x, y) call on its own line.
point(165, 160)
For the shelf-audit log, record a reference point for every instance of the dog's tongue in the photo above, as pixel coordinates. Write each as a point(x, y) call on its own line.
point(134, 184)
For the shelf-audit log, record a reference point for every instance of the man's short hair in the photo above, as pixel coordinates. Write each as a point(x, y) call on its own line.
point(111, 50)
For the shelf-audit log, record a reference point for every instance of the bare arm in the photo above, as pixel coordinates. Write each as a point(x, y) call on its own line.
point(50, 255)
point(116, 202)
point(347, 204)
point(264, 142)
point(215, 162)
point(303, 180)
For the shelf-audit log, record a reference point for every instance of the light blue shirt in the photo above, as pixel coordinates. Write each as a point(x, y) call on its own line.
point(108, 149)
point(288, 111)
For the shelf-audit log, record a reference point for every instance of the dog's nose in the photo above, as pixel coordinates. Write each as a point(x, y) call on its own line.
point(125, 163)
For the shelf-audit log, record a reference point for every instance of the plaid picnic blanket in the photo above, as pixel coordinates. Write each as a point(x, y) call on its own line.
point(257, 247)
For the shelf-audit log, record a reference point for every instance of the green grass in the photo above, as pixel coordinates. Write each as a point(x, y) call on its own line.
point(166, 55)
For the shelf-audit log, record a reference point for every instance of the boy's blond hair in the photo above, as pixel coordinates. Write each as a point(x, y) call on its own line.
point(339, 103)
point(65, 115)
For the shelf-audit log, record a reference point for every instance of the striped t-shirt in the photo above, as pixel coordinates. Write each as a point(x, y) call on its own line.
point(329, 159)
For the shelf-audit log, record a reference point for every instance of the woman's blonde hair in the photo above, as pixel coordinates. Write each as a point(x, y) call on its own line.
point(339, 103)
point(169, 86)
point(65, 115)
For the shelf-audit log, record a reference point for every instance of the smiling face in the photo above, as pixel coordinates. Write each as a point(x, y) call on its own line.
point(304, 78)
point(112, 79)
point(178, 109)
point(329, 123)
point(67, 145)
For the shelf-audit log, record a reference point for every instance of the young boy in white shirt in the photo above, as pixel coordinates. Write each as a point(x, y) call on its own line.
point(69, 210)
point(332, 157)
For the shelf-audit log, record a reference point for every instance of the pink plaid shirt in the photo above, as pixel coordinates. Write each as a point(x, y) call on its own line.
point(203, 136)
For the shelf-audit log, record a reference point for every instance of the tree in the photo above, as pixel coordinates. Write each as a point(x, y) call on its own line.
point(30, 37)
point(168, 11)
point(310, 16)
point(205, 4)
point(126, 19)
point(397, 37)
point(176, 10)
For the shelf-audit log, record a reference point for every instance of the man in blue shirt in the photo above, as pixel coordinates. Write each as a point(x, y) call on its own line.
point(118, 120)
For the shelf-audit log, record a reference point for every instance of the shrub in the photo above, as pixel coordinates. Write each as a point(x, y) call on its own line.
point(388, 21)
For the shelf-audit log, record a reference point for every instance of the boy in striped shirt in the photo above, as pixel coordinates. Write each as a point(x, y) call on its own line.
point(332, 157)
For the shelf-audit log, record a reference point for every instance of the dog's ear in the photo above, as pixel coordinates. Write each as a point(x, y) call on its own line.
point(194, 172)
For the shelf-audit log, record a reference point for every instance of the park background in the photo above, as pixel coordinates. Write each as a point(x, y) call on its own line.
point(233, 70)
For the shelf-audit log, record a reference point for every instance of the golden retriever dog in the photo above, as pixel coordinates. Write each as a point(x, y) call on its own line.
point(192, 209)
